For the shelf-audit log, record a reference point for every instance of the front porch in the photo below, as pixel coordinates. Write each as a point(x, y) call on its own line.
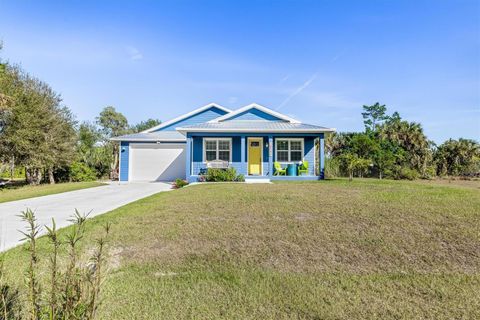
point(254, 154)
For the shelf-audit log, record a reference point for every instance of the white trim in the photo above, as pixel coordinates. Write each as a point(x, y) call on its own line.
point(302, 140)
point(148, 140)
point(261, 154)
point(186, 115)
point(258, 107)
point(120, 161)
point(129, 164)
point(184, 130)
point(204, 151)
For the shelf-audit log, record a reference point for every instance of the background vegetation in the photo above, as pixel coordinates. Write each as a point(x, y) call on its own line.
point(41, 141)
point(395, 148)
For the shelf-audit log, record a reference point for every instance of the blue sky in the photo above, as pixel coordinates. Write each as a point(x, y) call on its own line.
point(318, 61)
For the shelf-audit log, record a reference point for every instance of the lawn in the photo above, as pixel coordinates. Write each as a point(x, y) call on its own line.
point(21, 191)
point(365, 249)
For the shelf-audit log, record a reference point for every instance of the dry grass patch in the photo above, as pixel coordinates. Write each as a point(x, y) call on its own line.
point(306, 250)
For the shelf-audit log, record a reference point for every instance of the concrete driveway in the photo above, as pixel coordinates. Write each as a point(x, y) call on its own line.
point(61, 206)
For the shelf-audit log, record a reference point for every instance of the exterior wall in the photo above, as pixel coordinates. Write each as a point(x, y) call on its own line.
point(124, 159)
point(197, 158)
point(254, 114)
point(241, 164)
point(308, 152)
point(201, 117)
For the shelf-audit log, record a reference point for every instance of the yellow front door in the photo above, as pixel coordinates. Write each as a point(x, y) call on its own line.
point(254, 156)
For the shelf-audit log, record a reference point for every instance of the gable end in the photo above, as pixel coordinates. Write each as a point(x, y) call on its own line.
point(254, 114)
point(200, 115)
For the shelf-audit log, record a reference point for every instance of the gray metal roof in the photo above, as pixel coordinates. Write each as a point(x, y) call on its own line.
point(152, 136)
point(254, 126)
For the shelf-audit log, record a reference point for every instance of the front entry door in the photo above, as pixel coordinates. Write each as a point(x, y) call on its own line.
point(255, 156)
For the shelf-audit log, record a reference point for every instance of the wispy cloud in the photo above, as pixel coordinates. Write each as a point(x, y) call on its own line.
point(134, 53)
point(298, 90)
point(338, 55)
point(284, 79)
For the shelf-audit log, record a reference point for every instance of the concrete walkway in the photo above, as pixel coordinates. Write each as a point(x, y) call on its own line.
point(62, 206)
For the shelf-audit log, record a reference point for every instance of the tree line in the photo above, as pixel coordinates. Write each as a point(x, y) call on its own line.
point(391, 147)
point(41, 140)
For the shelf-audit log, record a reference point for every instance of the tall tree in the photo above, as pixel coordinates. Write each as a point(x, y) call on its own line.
point(36, 131)
point(144, 125)
point(411, 138)
point(112, 124)
point(458, 157)
point(373, 115)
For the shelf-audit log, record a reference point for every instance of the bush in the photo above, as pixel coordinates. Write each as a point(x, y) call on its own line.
point(407, 173)
point(219, 175)
point(73, 289)
point(332, 168)
point(81, 172)
point(180, 183)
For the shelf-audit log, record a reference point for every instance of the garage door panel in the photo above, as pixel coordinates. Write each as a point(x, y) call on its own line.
point(157, 162)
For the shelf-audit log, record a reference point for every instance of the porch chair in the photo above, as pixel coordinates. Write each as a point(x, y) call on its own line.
point(278, 169)
point(303, 168)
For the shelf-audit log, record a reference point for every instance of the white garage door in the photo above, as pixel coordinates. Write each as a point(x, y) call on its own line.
point(156, 162)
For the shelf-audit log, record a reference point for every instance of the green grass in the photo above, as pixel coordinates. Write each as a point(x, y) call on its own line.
point(21, 191)
point(365, 249)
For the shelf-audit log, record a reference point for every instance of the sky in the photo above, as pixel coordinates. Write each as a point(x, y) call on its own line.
point(317, 61)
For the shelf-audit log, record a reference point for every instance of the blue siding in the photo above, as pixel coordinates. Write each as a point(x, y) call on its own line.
point(254, 114)
point(201, 117)
point(124, 152)
point(309, 154)
point(198, 155)
point(308, 151)
point(239, 165)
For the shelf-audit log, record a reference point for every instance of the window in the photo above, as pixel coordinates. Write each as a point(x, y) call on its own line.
point(289, 150)
point(217, 149)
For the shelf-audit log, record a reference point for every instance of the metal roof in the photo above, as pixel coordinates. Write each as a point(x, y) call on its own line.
point(152, 136)
point(253, 126)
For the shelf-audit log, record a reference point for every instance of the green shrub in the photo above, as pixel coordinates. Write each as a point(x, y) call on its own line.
point(180, 183)
point(81, 172)
point(18, 173)
point(407, 173)
point(332, 168)
point(240, 178)
point(219, 175)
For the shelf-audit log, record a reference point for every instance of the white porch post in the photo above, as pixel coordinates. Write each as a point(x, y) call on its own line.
point(243, 162)
point(270, 156)
point(189, 155)
point(321, 154)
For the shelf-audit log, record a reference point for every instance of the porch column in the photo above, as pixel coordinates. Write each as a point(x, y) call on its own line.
point(243, 162)
point(270, 156)
point(321, 156)
point(188, 160)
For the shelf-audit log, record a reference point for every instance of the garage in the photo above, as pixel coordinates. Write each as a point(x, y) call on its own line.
point(156, 161)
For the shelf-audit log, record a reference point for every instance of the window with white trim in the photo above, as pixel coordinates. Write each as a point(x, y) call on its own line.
point(289, 150)
point(217, 149)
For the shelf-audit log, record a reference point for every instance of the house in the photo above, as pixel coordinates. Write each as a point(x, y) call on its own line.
point(250, 139)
